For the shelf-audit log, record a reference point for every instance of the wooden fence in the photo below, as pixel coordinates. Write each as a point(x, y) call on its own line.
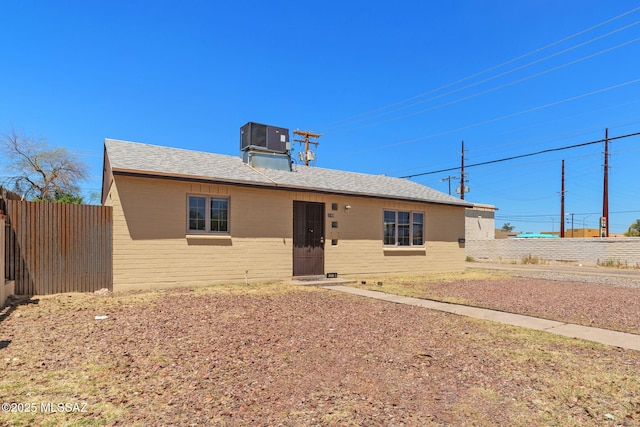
point(6, 288)
point(57, 247)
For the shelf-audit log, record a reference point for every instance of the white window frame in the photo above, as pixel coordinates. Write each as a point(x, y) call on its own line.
point(207, 215)
point(411, 224)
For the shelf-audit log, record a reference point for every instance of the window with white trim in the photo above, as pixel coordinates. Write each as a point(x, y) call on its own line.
point(208, 214)
point(403, 228)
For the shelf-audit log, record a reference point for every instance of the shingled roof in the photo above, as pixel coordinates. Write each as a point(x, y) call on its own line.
point(151, 160)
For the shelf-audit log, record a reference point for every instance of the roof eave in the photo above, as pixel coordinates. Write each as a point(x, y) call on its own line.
point(274, 185)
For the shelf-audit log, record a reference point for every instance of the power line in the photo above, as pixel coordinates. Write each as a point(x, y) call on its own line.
point(466, 98)
point(550, 150)
point(505, 85)
point(484, 71)
point(564, 134)
point(567, 134)
point(506, 116)
point(532, 217)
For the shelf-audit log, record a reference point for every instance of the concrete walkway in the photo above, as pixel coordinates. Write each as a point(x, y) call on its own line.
point(602, 336)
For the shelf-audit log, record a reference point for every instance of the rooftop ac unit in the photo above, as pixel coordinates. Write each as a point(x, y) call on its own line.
point(261, 137)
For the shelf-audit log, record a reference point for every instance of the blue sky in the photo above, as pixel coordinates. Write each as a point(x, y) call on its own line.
point(393, 87)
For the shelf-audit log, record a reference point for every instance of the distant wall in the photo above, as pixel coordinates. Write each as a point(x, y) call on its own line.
point(586, 251)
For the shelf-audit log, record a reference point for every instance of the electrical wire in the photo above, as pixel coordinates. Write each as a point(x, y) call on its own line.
point(475, 95)
point(533, 217)
point(569, 134)
point(550, 150)
point(496, 119)
point(486, 70)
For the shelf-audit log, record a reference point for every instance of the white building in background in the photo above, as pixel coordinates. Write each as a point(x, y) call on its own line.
point(480, 222)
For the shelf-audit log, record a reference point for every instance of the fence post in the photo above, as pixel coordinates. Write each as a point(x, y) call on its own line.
point(3, 295)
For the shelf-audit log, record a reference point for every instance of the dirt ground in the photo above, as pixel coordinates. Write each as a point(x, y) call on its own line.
point(275, 354)
point(583, 300)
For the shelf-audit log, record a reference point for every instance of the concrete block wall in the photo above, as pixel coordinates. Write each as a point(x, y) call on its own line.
point(585, 251)
point(152, 247)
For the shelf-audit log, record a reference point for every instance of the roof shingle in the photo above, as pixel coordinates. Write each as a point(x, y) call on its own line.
point(134, 157)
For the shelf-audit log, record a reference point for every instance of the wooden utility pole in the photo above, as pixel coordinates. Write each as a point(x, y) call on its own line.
point(605, 193)
point(308, 138)
point(462, 177)
point(562, 203)
point(449, 178)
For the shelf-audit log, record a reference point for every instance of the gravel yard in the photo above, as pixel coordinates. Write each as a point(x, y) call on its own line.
point(603, 301)
point(597, 276)
point(275, 354)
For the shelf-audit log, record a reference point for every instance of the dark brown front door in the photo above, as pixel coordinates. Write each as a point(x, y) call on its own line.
point(308, 238)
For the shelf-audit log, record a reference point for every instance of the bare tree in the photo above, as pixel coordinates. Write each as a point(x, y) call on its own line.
point(38, 172)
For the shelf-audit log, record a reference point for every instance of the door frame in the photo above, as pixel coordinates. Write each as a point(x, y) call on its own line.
point(308, 238)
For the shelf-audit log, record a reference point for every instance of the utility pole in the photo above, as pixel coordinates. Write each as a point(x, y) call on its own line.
point(572, 214)
point(562, 204)
point(449, 178)
point(308, 154)
point(462, 177)
point(604, 221)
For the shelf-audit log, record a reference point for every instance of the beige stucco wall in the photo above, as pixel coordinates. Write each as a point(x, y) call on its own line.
point(151, 248)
